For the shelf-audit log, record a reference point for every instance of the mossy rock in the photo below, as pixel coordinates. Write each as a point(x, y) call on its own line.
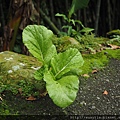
point(64, 43)
point(16, 67)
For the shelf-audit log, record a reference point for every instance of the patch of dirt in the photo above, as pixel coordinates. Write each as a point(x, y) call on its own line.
point(90, 99)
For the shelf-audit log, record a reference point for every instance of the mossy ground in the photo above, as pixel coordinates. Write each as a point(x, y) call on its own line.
point(92, 61)
point(99, 60)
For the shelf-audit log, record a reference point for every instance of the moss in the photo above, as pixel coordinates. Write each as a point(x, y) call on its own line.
point(17, 71)
point(99, 60)
point(113, 53)
point(64, 43)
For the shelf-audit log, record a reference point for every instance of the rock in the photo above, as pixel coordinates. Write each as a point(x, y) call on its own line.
point(66, 42)
point(83, 103)
point(15, 67)
point(98, 98)
point(93, 107)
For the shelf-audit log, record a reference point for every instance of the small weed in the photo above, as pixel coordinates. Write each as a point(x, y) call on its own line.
point(27, 88)
point(4, 108)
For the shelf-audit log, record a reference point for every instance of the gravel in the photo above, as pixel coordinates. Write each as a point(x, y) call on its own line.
point(91, 94)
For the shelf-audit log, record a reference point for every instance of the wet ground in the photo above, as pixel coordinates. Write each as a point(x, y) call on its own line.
point(90, 99)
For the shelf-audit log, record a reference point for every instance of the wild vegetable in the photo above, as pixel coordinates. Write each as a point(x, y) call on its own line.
point(59, 70)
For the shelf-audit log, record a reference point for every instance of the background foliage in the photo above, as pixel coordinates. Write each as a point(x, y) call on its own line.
point(102, 15)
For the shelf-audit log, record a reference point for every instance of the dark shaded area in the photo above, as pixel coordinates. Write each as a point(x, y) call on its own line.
point(108, 18)
point(90, 99)
point(15, 15)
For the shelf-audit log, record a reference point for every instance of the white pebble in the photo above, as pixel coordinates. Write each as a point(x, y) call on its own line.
point(35, 68)
point(8, 58)
point(10, 71)
point(17, 67)
point(22, 64)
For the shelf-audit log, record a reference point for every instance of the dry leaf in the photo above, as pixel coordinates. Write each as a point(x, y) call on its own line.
point(114, 46)
point(1, 99)
point(43, 94)
point(105, 93)
point(20, 90)
point(31, 98)
point(86, 75)
point(94, 71)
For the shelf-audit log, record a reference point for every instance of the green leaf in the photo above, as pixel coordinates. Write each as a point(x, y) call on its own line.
point(87, 30)
point(76, 5)
point(38, 75)
point(66, 26)
point(38, 39)
point(72, 21)
point(63, 91)
point(78, 21)
point(69, 30)
point(66, 61)
point(62, 15)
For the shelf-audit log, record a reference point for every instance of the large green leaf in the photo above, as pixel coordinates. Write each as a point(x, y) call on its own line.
point(38, 40)
point(66, 61)
point(63, 91)
point(76, 5)
point(38, 75)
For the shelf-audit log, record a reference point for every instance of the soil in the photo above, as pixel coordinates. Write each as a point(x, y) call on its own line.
point(90, 99)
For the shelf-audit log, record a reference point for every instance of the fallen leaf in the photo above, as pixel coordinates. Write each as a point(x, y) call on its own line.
point(31, 98)
point(86, 75)
point(20, 90)
point(1, 99)
point(43, 94)
point(105, 93)
point(94, 71)
point(114, 46)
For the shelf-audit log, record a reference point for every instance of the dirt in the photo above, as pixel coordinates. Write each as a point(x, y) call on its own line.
point(90, 99)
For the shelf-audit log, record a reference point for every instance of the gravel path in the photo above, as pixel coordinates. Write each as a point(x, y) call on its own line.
point(90, 99)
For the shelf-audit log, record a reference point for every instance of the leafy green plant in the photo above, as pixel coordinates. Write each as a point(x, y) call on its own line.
point(76, 33)
point(27, 88)
point(4, 108)
point(70, 23)
point(114, 37)
point(60, 70)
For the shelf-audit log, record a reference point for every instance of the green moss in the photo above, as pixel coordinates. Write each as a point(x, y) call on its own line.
point(99, 60)
point(113, 53)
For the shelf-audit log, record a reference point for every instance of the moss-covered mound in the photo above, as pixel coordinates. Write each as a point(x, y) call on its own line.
point(17, 73)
